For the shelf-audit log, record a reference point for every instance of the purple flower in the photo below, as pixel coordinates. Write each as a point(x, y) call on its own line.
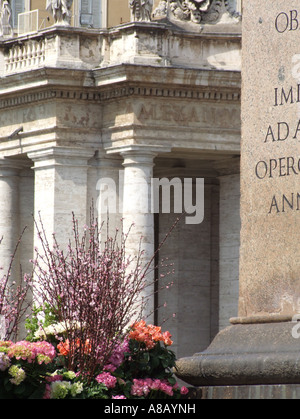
point(4, 362)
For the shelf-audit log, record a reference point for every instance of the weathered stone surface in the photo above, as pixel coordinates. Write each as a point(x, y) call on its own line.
point(260, 347)
point(263, 392)
point(76, 105)
point(270, 203)
point(255, 354)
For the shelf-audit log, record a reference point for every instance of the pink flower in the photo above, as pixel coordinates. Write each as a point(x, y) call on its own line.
point(43, 352)
point(139, 388)
point(107, 379)
point(109, 367)
point(166, 388)
point(47, 393)
point(119, 397)
point(184, 390)
point(117, 357)
point(142, 387)
point(156, 385)
point(51, 379)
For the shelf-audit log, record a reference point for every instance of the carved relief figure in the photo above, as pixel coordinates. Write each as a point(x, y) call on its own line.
point(61, 11)
point(141, 10)
point(192, 10)
point(198, 11)
point(162, 9)
point(6, 29)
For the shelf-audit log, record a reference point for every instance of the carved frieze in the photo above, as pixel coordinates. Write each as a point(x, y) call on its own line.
point(192, 10)
point(197, 11)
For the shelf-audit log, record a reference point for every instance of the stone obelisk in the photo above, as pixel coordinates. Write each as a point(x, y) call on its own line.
point(261, 347)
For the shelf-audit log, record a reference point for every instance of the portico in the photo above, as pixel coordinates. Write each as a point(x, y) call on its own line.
point(110, 111)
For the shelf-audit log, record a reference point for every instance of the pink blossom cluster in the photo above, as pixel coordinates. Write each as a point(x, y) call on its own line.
point(142, 387)
point(49, 380)
point(118, 356)
point(4, 361)
point(107, 379)
point(42, 352)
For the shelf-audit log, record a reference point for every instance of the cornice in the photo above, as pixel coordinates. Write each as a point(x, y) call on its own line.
point(26, 98)
point(120, 82)
point(101, 96)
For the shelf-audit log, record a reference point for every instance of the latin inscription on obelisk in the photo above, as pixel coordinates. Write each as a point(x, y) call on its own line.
point(270, 162)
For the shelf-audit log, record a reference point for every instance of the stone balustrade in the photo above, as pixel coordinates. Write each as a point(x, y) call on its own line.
point(25, 56)
point(151, 44)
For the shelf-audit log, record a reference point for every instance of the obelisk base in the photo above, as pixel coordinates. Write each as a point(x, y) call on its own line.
point(246, 354)
point(252, 392)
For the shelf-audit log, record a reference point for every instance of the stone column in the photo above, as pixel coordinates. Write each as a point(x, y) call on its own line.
point(26, 204)
point(138, 217)
point(106, 190)
point(229, 239)
point(229, 245)
point(9, 214)
point(60, 189)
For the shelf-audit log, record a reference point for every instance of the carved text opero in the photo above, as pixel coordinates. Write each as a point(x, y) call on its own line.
point(278, 167)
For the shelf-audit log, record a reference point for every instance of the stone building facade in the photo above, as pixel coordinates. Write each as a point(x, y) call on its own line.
point(130, 102)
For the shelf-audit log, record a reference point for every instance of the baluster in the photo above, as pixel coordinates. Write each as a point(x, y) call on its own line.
point(33, 51)
point(43, 48)
point(29, 54)
point(20, 55)
point(15, 63)
point(10, 60)
point(38, 53)
point(24, 56)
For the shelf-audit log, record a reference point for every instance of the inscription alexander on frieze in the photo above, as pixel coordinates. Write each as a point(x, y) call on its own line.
point(270, 159)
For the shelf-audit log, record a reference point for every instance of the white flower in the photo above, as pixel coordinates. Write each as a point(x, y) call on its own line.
point(76, 388)
point(57, 329)
point(60, 389)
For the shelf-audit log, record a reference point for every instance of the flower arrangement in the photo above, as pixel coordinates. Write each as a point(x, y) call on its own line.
point(78, 343)
point(24, 367)
point(140, 367)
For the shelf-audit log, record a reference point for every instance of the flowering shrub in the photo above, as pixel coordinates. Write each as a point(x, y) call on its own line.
point(140, 367)
point(93, 290)
point(78, 343)
point(13, 299)
point(23, 368)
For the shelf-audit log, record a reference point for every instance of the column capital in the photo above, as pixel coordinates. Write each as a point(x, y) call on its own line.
point(227, 167)
point(107, 161)
point(11, 166)
point(60, 156)
point(139, 150)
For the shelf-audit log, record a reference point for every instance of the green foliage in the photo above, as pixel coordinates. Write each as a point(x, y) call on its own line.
point(42, 317)
point(32, 387)
point(141, 363)
point(95, 391)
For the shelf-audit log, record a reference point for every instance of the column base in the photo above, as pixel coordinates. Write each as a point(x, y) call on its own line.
point(246, 354)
